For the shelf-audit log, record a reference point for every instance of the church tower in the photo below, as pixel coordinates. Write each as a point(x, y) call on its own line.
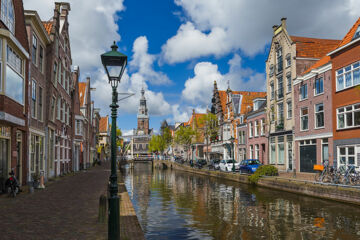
point(142, 116)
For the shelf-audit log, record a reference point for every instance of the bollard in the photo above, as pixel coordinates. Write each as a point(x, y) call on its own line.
point(102, 209)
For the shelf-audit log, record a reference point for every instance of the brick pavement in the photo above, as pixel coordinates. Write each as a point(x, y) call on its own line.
point(66, 209)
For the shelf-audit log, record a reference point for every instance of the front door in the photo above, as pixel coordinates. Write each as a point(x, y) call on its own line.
point(4, 157)
point(307, 158)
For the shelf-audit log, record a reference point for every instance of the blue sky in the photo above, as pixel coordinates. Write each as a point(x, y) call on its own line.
point(177, 48)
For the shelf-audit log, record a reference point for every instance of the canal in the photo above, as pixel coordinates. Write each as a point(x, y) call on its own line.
point(172, 204)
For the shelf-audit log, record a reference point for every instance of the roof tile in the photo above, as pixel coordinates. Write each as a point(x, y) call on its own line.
point(313, 47)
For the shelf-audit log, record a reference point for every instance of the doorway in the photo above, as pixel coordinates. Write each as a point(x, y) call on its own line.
point(307, 155)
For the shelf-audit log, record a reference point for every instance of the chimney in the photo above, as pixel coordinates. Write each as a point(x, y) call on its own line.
point(283, 22)
point(64, 9)
point(194, 111)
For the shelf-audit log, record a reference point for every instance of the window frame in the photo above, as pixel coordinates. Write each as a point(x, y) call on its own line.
point(34, 48)
point(5, 17)
point(315, 86)
point(304, 116)
point(344, 113)
point(33, 99)
point(319, 112)
point(349, 69)
point(288, 103)
point(302, 91)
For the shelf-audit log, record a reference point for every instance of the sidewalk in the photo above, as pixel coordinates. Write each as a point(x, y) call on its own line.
point(65, 209)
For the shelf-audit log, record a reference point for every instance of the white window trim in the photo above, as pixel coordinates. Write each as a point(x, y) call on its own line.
point(315, 119)
point(34, 113)
point(353, 116)
point(315, 95)
point(346, 154)
point(343, 74)
point(300, 93)
point(287, 109)
point(304, 130)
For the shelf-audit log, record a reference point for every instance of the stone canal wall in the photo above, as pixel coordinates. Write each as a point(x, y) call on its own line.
point(332, 192)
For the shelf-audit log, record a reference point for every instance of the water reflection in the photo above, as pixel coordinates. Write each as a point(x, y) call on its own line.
point(177, 205)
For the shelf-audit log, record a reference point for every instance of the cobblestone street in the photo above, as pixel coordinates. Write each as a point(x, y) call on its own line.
point(66, 209)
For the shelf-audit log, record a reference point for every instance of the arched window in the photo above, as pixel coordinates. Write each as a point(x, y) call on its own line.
point(8, 15)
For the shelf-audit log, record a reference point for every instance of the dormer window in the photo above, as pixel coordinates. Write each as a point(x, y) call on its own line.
point(7, 14)
point(357, 33)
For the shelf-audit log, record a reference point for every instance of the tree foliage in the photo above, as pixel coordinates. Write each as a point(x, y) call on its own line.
point(211, 128)
point(184, 136)
point(157, 144)
point(119, 141)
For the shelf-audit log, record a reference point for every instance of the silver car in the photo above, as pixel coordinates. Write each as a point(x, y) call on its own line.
point(227, 165)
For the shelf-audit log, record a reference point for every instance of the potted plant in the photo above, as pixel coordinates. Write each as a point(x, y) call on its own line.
point(36, 179)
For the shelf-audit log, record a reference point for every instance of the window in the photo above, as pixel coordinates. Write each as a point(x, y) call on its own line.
point(34, 49)
point(281, 112)
point(272, 109)
point(40, 104)
point(289, 83)
point(65, 112)
point(304, 116)
point(58, 108)
point(7, 14)
point(55, 73)
point(325, 150)
point(262, 127)
point(14, 60)
point(33, 99)
point(257, 151)
point(303, 92)
point(319, 115)
point(346, 156)
point(271, 70)
point(251, 151)
point(281, 150)
point(78, 127)
point(289, 109)
point(319, 86)
point(348, 76)
point(41, 58)
point(279, 59)
point(272, 90)
point(348, 117)
point(52, 112)
point(357, 33)
point(256, 129)
point(290, 151)
point(14, 76)
point(59, 77)
point(272, 150)
point(288, 60)
point(280, 87)
point(250, 130)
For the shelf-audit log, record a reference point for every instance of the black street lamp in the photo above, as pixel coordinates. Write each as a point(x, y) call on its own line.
point(114, 63)
point(231, 148)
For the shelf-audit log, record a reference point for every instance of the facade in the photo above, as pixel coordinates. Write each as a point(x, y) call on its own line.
point(198, 141)
point(84, 122)
point(346, 98)
point(257, 141)
point(313, 106)
point(142, 135)
point(104, 138)
point(14, 54)
point(289, 56)
point(59, 130)
point(242, 140)
point(77, 123)
point(38, 40)
point(230, 107)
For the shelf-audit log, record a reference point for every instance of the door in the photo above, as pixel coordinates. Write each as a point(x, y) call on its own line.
point(18, 161)
point(4, 157)
point(307, 158)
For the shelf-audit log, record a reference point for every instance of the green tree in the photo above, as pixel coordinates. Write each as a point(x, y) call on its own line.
point(167, 137)
point(184, 136)
point(157, 144)
point(119, 141)
point(211, 128)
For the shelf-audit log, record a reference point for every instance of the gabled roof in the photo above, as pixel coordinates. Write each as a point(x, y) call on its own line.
point(313, 47)
point(197, 119)
point(82, 93)
point(247, 100)
point(104, 124)
point(349, 36)
point(222, 95)
point(48, 26)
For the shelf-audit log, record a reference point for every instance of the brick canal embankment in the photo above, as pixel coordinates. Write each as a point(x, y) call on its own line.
point(333, 192)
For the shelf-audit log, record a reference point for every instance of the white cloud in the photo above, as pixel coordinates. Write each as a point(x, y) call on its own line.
point(142, 62)
point(198, 89)
point(217, 27)
point(92, 27)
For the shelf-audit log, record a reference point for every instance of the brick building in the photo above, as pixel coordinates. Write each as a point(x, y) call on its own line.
point(346, 98)
point(313, 134)
point(38, 40)
point(14, 54)
point(77, 123)
point(288, 57)
point(104, 138)
point(59, 133)
point(257, 141)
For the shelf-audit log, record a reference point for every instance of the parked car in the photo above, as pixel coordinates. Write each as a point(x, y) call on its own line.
point(249, 165)
point(227, 165)
point(200, 163)
point(214, 164)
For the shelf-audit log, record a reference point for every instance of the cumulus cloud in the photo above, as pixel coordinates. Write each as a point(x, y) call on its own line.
point(142, 62)
point(217, 27)
point(92, 27)
point(198, 89)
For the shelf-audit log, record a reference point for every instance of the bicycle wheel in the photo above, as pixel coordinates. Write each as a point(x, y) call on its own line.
point(318, 176)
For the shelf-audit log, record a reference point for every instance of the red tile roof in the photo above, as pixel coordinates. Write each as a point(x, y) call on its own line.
point(222, 95)
point(104, 124)
point(82, 91)
point(349, 36)
point(48, 26)
point(313, 47)
point(197, 117)
point(324, 60)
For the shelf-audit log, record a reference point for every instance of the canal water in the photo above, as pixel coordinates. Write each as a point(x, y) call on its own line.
point(172, 204)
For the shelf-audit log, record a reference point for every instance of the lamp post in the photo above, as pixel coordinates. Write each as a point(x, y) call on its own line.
point(231, 147)
point(114, 63)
